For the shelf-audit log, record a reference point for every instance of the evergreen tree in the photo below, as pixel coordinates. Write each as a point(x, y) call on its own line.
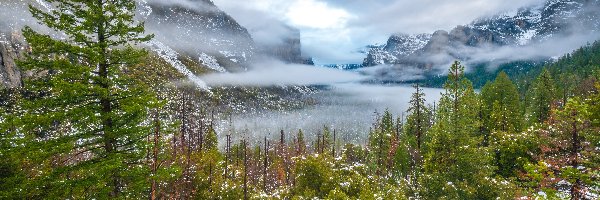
point(540, 97)
point(501, 115)
point(301, 143)
point(10, 174)
point(571, 151)
point(82, 126)
point(313, 178)
point(404, 158)
point(455, 166)
point(417, 122)
point(326, 141)
point(210, 140)
point(595, 107)
point(501, 105)
point(380, 139)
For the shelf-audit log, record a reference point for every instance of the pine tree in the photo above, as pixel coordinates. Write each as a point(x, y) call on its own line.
point(404, 158)
point(502, 121)
point(455, 166)
point(84, 115)
point(210, 141)
point(417, 122)
point(380, 139)
point(326, 140)
point(301, 143)
point(501, 105)
point(540, 97)
point(571, 149)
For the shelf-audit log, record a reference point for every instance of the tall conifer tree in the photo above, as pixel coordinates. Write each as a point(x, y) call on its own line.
point(418, 120)
point(501, 105)
point(540, 97)
point(83, 121)
point(455, 166)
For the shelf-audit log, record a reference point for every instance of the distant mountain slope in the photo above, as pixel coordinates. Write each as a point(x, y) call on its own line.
point(528, 27)
point(398, 47)
point(199, 28)
point(289, 47)
point(193, 28)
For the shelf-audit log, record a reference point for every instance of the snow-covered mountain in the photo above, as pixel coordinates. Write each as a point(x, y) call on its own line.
point(194, 28)
point(553, 20)
point(199, 29)
point(398, 47)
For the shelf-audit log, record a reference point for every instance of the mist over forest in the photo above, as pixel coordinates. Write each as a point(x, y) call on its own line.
point(300, 99)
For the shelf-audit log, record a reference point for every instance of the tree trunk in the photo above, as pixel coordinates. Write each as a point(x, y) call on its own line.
point(576, 187)
point(155, 156)
point(109, 138)
point(265, 166)
point(245, 171)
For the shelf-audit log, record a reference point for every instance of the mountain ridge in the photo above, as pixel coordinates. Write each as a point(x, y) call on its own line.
point(194, 28)
point(531, 25)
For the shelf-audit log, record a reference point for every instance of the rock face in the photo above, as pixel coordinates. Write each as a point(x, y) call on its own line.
point(553, 19)
point(288, 48)
point(10, 51)
point(194, 28)
point(398, 47)
point(197, 28)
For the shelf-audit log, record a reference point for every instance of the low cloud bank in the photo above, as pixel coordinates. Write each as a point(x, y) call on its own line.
point(275, 73)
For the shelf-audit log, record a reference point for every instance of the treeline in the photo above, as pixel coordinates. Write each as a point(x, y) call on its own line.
point(101, 119)
point(568, 69)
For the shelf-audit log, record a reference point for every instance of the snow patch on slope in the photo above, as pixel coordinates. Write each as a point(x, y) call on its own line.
point(44, 4)
point(381, 56)
point(170, 55)
point(526, 37)
point(211, 62)
point(408, 44)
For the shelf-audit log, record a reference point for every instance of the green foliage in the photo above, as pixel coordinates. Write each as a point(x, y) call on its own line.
point(501, 105)
point(81, 126)
point(379, 144)
point(540, 97)
point(327, 140)
point(210, 140)
point(313, 177)
point(512, 151)
point(353, 154)
point(595, 107)
point(419, 117)
point(300, 142)
point(455, 166)
point(79, 129)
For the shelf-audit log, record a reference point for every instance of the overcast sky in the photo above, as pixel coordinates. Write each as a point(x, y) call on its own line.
point(334, 31)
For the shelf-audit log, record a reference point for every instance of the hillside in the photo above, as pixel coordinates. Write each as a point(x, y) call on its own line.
point(497, 41)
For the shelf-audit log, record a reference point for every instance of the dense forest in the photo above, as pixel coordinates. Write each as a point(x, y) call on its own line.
point(101, 118)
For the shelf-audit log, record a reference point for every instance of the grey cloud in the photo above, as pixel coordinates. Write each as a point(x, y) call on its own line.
point(547, 49)
point(264, 28)
point(374, 21)
point(198, 5)
point(426, 16)
point(349, 108)
point(275, 73)
point(394, 73)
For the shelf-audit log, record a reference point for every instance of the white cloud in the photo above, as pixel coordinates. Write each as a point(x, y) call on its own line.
point(419, 16)
point(317, 15)
point(332, 30)
point(275, 73)
point(347, 108)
